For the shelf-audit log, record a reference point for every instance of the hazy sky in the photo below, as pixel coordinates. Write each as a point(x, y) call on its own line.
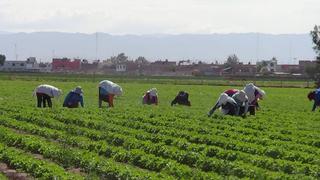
point(159, 16)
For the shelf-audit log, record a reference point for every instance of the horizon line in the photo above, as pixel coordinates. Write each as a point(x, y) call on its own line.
point(147, 34)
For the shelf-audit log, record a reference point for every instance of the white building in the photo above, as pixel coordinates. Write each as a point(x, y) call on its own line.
point(30, 65)
point(121, 67)
point(269, 65)
point(14, 66)
point(45, 67)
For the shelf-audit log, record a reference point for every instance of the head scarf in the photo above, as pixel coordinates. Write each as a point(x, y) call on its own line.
point(250, 90)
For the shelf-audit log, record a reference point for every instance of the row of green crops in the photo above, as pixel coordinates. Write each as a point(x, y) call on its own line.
point(217, 146)
point(132, 141)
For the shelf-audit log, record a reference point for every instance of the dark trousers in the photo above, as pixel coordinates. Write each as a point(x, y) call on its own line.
point(43, 99)
point(252, 109)
point(102, 98)
point(231, 108)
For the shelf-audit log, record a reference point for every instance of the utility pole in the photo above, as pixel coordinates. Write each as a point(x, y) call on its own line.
point(257, 47)
point(15, 52)
point(290, 51)
point(53, 54)
point(96, 45)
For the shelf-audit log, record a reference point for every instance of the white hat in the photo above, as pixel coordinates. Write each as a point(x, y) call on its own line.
point(78, 90)
point(153, 92)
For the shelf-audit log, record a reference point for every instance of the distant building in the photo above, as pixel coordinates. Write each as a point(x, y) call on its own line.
point(121, 67)
point(66, 65)
point(30, 65)
point(45, 67)
point(289, 68)
point(128, 67)
point(304, 64)
point(87, 67)
point(161, 68)
point(268, 65)
point(14, 66)
point(245, 69)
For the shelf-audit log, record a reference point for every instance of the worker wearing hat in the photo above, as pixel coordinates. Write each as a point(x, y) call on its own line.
point(182, 99)
point(150, 97)
point(315, 96)
point(73, 98)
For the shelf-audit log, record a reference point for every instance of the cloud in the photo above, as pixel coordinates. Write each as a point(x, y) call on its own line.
point(165, 16)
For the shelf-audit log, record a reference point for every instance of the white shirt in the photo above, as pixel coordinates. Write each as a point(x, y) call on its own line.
point(111, 87)
point(48, 90)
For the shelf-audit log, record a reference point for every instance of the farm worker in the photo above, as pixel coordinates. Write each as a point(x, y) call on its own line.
point(254, 95)
point(228, 105)
point(315, 96)
point(242, 100)
point(231, 92)
point(182, 98)
point(107, 91)
point(150, 97)
point(73, 99)
point(44, 94)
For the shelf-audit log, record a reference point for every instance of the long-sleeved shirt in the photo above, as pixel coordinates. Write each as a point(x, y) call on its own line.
point(73, 99)
point(316, 99)
point(242, 101)
point(228, 104)
point(48, 90)
point(182, 98)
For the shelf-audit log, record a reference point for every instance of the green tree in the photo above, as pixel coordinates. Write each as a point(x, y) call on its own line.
point(232, 60)
point(142, 60)
point(121, 58)
point(2, 59)
point(315, 35)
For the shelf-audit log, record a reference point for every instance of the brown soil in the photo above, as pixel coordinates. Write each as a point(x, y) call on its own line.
point(13, 174)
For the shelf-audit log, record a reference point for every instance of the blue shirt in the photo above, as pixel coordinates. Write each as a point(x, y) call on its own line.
point(316, 99)
point(317, 95)
point(103, 91)
point(73, 98)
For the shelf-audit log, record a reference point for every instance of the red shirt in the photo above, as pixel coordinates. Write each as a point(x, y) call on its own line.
point(231, 92)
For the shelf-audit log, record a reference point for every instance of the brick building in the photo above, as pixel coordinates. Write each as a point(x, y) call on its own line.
point(66, 65)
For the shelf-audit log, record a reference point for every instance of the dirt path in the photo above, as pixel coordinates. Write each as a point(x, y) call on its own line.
point(13, 174)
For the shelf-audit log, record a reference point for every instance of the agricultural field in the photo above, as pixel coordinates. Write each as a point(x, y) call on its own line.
point(132, 141)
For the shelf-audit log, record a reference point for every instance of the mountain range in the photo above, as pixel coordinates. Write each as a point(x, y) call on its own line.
point(249, 47)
